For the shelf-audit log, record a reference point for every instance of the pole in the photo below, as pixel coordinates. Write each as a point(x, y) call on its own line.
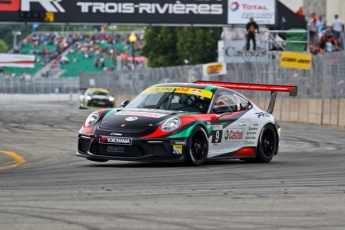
point(133, 55)
point(14, 40)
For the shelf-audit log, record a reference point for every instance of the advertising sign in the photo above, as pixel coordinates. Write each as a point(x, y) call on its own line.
point(17, 60)
point(209, 12)
point(214, 69)
point(263, 11)
point(296, 60)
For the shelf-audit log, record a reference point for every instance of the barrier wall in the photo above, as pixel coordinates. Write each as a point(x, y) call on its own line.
point(329, 112)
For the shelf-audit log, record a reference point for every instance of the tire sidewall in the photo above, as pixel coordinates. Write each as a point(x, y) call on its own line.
point(260, 156)
point(189, 156)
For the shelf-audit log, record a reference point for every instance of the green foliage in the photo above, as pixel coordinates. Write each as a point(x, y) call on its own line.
point(3, 46)
point(172, 46)
point(160, 47)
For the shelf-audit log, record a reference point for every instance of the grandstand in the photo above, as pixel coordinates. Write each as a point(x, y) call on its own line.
point(62, 55)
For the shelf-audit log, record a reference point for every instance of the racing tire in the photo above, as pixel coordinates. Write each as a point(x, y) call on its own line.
point(197, 147)
point(97, 160)
point(267, 144)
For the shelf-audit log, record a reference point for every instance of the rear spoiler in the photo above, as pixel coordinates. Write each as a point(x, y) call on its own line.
point(292, 90)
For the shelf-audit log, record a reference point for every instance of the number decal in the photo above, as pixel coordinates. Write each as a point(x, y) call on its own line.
point(217, 136)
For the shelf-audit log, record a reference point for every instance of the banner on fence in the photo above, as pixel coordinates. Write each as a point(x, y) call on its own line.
point(17, 60)
point(214, 69)
point(296, 60)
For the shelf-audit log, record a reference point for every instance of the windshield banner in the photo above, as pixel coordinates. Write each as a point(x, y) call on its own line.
point(185, 90)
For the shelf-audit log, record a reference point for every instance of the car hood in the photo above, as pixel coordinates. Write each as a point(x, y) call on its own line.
point(135, 120)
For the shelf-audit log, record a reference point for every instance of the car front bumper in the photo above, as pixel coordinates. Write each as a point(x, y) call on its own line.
point(140, 149)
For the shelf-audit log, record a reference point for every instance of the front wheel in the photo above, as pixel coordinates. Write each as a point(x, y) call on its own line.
point(267, 144)
point(197, 148)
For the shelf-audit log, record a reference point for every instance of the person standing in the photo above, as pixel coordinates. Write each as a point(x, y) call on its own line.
point(320, 24)
point(337, 29)
point(312, 29)
point(251, 27)
point(300, 12)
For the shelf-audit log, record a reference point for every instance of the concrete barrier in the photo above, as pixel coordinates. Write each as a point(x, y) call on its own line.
point(309, 111)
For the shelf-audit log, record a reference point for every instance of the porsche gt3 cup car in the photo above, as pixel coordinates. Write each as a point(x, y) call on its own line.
point(96, 97)
point(185, 122)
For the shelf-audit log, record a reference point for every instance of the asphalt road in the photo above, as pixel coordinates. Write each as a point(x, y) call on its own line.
point(302, 188)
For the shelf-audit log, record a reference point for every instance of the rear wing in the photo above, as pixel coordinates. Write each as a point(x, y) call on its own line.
point(292, 90)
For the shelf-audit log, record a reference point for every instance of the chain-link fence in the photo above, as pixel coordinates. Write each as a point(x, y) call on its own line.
point(326, 79)
point(10, 85)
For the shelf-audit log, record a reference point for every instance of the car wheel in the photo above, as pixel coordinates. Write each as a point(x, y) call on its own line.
point(197, 148)
point(97, 160)
point(267, 144)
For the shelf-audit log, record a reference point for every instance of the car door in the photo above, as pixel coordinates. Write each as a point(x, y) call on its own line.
point(229, 130)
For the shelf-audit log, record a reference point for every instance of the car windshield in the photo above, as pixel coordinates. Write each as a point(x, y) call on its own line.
point(100, 94)
point(173, 98)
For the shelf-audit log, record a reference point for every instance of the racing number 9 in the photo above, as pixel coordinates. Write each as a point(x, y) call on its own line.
point(217, 136)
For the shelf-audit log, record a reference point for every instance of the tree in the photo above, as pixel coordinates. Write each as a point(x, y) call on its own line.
point(160, 47)
point(3, 46)
point(198, 45)
point(172, 46)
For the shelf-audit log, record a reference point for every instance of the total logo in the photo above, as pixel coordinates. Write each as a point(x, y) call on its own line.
point(234, 6)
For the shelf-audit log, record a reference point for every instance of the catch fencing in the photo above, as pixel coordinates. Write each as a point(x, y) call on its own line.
point(326, 79)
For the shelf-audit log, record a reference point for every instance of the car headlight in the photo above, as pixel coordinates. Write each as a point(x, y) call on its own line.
point(88, 98)
point(111, 98)
point(171, 124)
point(92, 119)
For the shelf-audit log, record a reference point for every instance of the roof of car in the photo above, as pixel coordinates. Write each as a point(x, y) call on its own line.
point(190, 85)
point(97, 90)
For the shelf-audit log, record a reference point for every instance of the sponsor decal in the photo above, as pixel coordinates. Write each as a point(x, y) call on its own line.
point(251, 133)
point(184, 90)
point(145, 114)
point(196, 91)
point(178, 142)
point(217, 127)
point(250, 138)
point(233, 135)
point(177, 8)
point(120, 140)
point(296, 60)
point(115, 134)
point(115, 149)
point(255, 124)
point(249, 143)
point(177, 149)
point(253, 129)
point(262, 114)
point(131, 119)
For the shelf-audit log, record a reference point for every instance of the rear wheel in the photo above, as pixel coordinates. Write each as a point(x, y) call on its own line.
point(267, 144)
point(197, 148)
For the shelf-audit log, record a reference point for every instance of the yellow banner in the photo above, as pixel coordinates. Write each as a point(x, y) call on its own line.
point(296, 60)
point(185, 90)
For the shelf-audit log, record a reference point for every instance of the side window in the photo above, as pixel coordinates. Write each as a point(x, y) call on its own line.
point(224, 99)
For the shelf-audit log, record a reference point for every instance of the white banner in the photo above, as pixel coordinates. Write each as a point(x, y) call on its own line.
point(17, 60)
point(263, 11)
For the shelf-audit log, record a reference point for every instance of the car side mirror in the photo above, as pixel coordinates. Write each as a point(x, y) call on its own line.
point(222, 109)
point(124, 103)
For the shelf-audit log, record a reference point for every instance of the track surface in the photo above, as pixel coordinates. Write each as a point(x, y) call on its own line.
point(302, 188)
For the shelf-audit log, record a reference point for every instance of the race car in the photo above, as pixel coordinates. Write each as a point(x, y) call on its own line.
point(96, 97)
point(188, 122)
